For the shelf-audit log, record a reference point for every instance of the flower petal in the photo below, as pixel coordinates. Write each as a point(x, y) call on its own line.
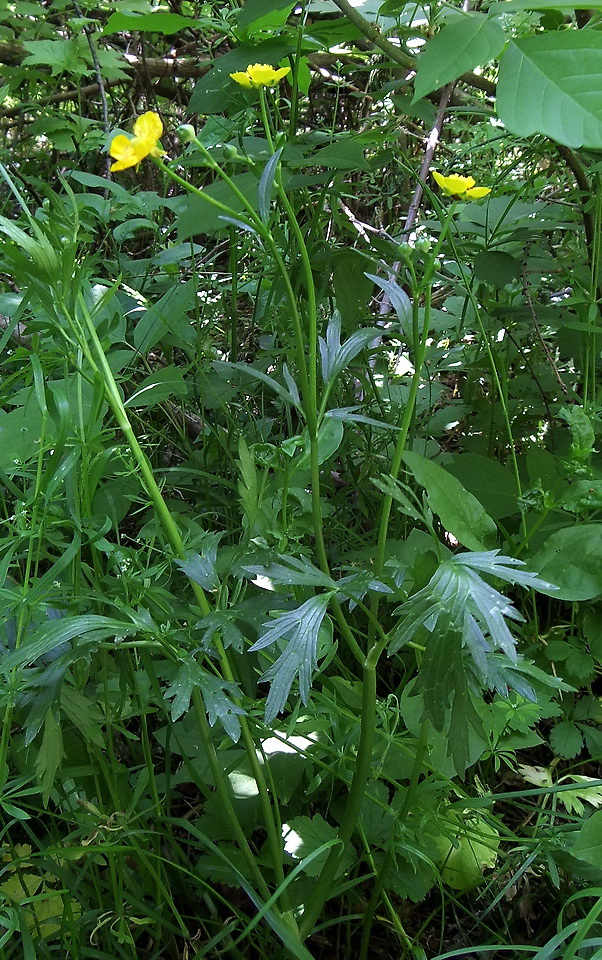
point(454, 185)
point(261, 74)
point(476, 193)
point(279, 74)
point(242, 78)
point(125, 151)
point(148, 127)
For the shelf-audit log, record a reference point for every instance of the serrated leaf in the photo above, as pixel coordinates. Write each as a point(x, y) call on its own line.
point(222, 622)
point(200, 567)
point(587, 790)
point(180, 689)
point(217, 694)
point(306, 835)
point(551, 83)
point(301, 627)
point(298, 571)
point(588, 845)
point(566, 740)
point(62, 56)
point(461, 45)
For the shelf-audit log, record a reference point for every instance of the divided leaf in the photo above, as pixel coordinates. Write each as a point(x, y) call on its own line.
point(301, 627)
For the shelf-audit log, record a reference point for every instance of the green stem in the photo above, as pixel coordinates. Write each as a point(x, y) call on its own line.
point(220, 782)
point(256, 223)
point(363, 764)
point(101, 365)
point(173, 535)
point(417, 768)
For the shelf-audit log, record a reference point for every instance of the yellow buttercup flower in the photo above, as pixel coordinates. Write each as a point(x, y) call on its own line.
point(260, 75)
point(129, 151)
point(458, 186)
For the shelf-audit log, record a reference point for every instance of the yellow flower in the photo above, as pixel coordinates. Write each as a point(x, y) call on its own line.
point(458, 186)
point(129, 151)
point(260, 75)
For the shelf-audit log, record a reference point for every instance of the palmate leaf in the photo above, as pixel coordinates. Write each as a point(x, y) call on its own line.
point(297, 571)
point(457, 600)
point(200, 567)
point(301, 628)
point(217, 695)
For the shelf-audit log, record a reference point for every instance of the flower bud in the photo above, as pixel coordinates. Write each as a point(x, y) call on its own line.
point(230, 152)
point(423, 245)
point(405, 252)
point(186, 132)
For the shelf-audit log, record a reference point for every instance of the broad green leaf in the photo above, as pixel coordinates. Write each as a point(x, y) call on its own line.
point(583, 438)
point(159, 22)
point(264, 13)
point(159, 318)
point(160, 385)
point(496, 268)
point(588, 845)
point(352, 288)
point(197, 216)
point(509, 6)
point(572, 559)
point(551, 83)
point(216, 92)
point(462, 44)
point(473, 848)
point(343, 154)
point(491, 483)
point(461, 514)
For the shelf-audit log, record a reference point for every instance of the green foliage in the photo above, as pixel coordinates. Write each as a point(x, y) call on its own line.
point(301, 497)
